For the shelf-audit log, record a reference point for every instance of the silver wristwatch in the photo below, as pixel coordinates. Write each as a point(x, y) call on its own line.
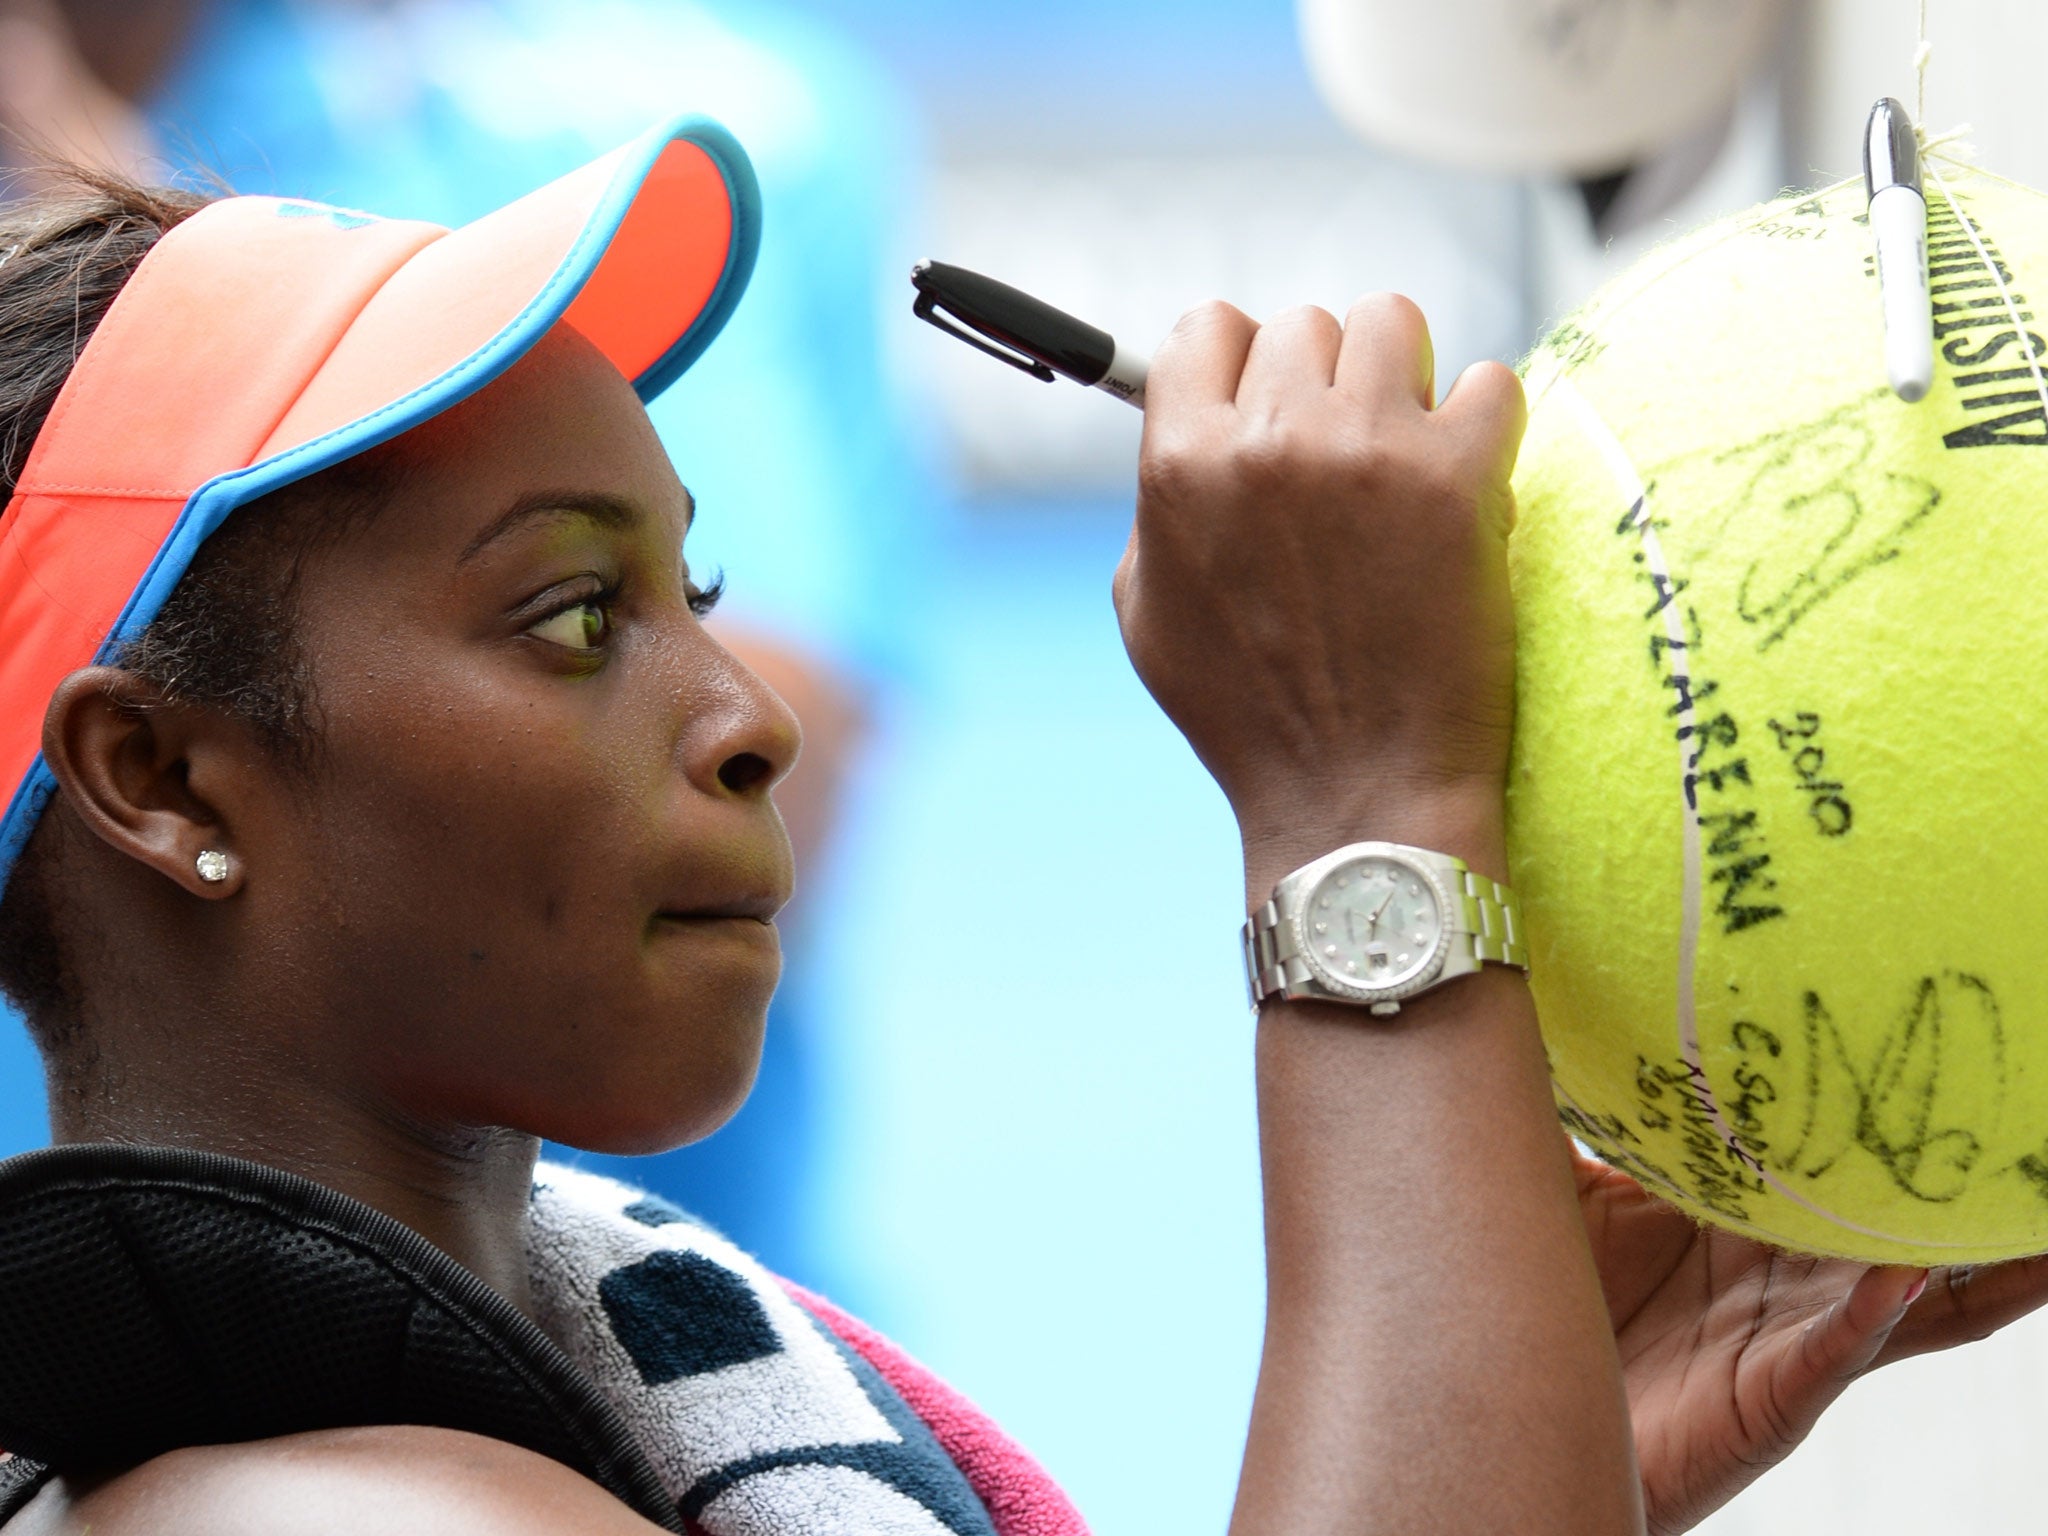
point(1375, 923)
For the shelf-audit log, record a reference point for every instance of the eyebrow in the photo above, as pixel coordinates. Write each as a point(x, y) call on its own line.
point(594, 506)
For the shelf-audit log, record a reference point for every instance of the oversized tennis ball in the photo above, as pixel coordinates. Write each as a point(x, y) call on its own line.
point(1779, 798)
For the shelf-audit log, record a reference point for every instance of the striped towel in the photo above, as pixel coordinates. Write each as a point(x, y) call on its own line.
point(765, 1410)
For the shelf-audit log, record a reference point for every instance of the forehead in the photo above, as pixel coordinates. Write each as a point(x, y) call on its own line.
point(560, 421)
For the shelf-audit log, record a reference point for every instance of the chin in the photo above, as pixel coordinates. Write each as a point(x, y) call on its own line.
point(651, 1104)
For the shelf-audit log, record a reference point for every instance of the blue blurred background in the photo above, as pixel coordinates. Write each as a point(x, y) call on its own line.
point(1005, 1109)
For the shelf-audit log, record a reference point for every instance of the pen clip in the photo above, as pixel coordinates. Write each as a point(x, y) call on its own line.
point(926, 308)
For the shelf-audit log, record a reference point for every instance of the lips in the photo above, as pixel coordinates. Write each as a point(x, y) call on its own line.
point(761, 909)
point(714, 882)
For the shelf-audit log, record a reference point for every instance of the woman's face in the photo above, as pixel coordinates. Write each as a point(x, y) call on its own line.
point(532, 879)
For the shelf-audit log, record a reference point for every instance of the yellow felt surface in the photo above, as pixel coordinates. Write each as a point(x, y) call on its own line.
point(1861, 587)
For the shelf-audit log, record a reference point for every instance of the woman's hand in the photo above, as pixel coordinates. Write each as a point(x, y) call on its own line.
point(1731, 1349)
point(1316, 587)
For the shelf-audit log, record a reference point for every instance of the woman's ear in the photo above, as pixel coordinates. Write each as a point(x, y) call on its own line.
point(149, 776)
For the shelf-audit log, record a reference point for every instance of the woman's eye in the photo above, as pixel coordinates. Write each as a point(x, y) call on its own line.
point(581, 628)
point(704, 599)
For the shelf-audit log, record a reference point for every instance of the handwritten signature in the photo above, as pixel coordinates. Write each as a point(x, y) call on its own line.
point(1894, 1095)
point(1811, 510)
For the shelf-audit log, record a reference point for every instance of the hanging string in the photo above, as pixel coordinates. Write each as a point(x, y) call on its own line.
point(1953, 146)
point(1920, 57)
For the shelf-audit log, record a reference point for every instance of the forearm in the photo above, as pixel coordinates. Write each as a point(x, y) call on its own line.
point(1438, 1356)
point(1316, 591)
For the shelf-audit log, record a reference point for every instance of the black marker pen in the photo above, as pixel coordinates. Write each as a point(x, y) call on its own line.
point(1051, 341)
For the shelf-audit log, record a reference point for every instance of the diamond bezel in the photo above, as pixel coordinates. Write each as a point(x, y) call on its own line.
point(1348, 987)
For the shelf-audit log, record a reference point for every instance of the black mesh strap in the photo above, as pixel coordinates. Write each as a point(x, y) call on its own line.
point(20, 1479)
point(152, 1299)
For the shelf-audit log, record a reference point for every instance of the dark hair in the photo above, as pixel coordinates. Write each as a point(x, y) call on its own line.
point(226, 637)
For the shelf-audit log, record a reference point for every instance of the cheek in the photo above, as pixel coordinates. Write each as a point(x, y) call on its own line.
point(501, 807)
point(486, 873)
point(490, 860)
point(494, 940)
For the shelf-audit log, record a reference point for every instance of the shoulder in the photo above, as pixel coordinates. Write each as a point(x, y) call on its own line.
point(377, 1481)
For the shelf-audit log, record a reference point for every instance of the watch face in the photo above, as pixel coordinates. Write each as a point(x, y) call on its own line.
point(1372, 925)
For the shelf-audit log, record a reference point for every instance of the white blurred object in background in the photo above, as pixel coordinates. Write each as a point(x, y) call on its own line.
point(1574, 87)
point(1582, 234)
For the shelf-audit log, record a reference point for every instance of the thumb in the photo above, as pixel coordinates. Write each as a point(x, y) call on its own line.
point(1844, 1342)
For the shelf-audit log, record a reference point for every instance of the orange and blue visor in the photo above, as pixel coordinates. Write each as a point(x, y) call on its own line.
point(264, 339)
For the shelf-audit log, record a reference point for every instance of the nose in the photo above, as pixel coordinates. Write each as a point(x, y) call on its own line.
point(752, 736)
point(744, 772)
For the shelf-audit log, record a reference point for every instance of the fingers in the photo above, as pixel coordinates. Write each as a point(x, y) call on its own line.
point(1965, 1303)
point(1843, 1343)
point(1594, 1176)
point(1381, 354)
point(1877, 1303)
point(1293, 361)
point(1486, 407)
point(1387, 359)
point(1200, 362)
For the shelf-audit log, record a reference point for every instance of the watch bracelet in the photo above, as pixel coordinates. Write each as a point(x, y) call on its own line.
point(1491, 931)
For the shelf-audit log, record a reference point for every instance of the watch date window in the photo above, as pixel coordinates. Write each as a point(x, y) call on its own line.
point(1373, 923)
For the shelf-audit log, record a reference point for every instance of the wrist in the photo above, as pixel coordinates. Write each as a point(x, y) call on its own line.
point(1467, 821)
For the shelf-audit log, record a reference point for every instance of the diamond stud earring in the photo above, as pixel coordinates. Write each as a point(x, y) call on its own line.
point(213, 866)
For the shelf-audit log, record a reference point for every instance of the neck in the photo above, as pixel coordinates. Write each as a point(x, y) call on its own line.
point(464, 1189)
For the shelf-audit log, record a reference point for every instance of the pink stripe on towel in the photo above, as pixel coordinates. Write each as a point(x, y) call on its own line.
point(1020, 1496)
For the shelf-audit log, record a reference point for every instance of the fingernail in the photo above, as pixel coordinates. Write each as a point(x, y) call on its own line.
point(1914, 1294)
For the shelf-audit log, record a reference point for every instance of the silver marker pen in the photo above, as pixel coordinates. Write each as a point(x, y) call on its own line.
point(1898, 223)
